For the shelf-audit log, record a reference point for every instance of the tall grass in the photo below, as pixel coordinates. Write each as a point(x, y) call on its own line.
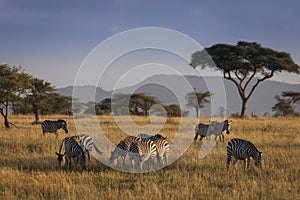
point(28, 166)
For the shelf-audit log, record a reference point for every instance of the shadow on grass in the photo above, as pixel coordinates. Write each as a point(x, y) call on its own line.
point(47, 164)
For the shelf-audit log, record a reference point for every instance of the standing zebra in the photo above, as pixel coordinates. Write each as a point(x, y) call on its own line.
point(122, 148)
point(87, 144)
point(243, 150)
point(215, 128)
point(72, 151)
point(162, 146)
point(163, 149)
point(142, 151)
point(53, 126)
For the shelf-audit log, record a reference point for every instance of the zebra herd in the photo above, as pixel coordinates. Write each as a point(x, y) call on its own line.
point(141, 149)
point(145, 148)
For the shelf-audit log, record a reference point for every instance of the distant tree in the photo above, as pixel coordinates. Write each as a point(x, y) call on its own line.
point(286, 102)
point(38, 96)
point(197, 100)
point(104, 107)
point(13, 84)
point(246, 64)
point(139, 103)
point(173, 110)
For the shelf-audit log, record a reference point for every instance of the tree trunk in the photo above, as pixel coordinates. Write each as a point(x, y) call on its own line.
point(37, 116)
point(6, 122)
point(244, 108)
point(197, 112)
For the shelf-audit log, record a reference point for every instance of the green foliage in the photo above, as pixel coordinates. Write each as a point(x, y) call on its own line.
point(139, 103)
point(13, 84)
point(242, 62)
point(284, 106)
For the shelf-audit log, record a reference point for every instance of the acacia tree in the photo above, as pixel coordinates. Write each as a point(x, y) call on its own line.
point(13, 84)
point(139, 103)
point(246, 64)
point(38, 96)
point(286, 102)
point(197, 100)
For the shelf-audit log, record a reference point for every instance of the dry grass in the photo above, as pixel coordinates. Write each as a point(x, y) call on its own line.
point(28, 168)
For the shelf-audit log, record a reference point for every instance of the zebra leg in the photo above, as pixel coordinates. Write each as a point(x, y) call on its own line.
point(245, 163)
point(228, 161)
point(196, 136)
point(166, 158)
point(221, 137)
point(89, 158)
point(248, 163)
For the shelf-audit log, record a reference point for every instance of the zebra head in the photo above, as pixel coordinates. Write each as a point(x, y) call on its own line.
point(60, 158)
point(258, 160)
point(226, 126)
point(63, 125)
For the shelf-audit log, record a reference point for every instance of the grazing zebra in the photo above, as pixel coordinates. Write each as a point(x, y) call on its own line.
point(53, 126)
point(73, 151)
point(142, 151)
point(163, 149)
point(122, 148)
point(243, 150)
point(87, 144)
point(214, 127)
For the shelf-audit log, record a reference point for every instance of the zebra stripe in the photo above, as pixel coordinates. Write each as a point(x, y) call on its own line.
point(242, 150)
point(215, 128)
point(142, 151)
point(52, 126)
point(87, 144)
point(72, 150)
point(122, 148)
point(163, 149)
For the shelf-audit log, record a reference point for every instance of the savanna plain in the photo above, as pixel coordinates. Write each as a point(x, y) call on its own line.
point(29, 170)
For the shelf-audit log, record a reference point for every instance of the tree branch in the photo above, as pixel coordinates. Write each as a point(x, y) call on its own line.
point(260, 80)
point(240, 89)
point(249, 80)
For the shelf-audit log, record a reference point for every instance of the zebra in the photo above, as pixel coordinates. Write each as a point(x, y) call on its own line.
point(87, 144)
point(214, 127)
point(52, 126)
point(242, 150)
point(72, 150)
point(142, 151)
point(122, 148)
point(163, 149)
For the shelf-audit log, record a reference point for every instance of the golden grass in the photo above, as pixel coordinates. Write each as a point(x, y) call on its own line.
point(28, 166)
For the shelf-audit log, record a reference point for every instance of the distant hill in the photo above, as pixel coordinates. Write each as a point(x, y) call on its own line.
point(169, 88)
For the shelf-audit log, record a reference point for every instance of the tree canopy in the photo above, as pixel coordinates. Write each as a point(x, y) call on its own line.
point(246, 64)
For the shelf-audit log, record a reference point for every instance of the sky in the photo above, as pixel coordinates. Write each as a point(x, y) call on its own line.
point(51, 39)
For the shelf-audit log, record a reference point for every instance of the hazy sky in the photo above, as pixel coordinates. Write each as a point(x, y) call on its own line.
point(50, 39)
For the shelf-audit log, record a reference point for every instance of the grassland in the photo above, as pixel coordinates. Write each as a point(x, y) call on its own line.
point(28, 166)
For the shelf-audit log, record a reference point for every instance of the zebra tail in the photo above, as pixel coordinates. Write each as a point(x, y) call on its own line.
point(98, 150)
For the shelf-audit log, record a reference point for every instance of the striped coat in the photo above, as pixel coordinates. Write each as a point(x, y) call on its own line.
point(242, 150)
point(214, 128)
point(73, 151)
point(87, 144)
point(142, 151)
point(52, 126)
point(122, 149)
